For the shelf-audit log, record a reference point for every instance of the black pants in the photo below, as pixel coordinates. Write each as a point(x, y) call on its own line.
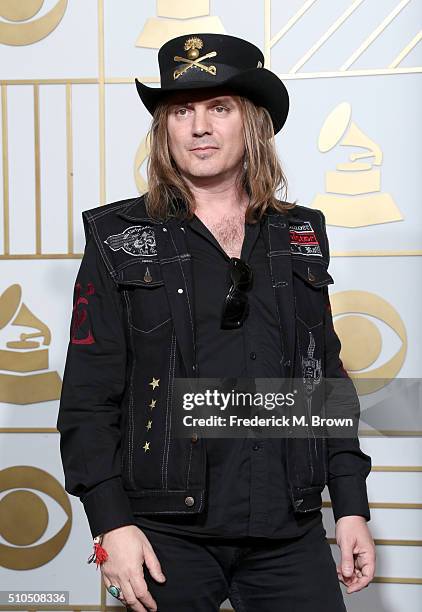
point(256, 574)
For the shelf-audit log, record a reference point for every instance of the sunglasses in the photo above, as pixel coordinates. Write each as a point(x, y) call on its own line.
point(236, 305)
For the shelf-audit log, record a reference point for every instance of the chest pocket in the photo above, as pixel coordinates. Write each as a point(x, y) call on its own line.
point(146, 295)
point(309, 278)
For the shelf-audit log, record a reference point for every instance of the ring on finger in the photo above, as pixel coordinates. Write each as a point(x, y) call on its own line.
point(115, 591)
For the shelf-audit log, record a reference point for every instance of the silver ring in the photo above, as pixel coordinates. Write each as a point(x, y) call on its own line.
point(114, 590)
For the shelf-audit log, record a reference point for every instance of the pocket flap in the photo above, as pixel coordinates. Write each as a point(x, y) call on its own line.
point(141, 273)
point(313, 273)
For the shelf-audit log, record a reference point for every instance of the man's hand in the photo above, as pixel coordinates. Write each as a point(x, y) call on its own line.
point(128, 548)
point(357, 566)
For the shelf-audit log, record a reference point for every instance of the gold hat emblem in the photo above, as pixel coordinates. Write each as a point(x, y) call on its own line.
point(192, 46)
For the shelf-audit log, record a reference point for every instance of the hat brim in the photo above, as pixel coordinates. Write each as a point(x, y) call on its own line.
point(260, 85)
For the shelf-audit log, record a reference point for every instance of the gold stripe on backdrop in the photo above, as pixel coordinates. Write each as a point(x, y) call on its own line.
point(37, 169)
point(5, 157)
point(101, 99)
point(385, 505)
point(392, 433)
point(379, 542)
point(406, 50)
point(69, 172)
point(43, 256)
point(396, 468)
point(413, 253)
point(64, 81)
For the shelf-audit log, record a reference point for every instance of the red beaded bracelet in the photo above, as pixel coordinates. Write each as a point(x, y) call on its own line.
point(100, 554)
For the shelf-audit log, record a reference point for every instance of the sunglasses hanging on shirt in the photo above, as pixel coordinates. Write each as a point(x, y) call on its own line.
point(236, 305)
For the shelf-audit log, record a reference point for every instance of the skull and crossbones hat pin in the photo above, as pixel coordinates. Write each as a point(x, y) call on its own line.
point(198, 61)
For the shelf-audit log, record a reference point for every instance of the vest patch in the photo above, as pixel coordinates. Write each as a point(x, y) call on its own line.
point(303, 240)
point(80, 330)
point(311, 367)
point(136, 240)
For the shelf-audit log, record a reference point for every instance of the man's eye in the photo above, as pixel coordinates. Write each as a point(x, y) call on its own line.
point(178, 111)
point(221, 107)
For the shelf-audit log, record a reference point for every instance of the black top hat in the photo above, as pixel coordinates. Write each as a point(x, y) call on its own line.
point(196, 61)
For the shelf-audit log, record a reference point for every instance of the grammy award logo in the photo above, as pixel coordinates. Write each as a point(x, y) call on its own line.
point(180, 18)
point(22, 360)
point(353, 197)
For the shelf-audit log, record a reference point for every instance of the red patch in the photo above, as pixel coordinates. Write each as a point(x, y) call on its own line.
point(303, 240)
point(80, 315)
point(299, 238)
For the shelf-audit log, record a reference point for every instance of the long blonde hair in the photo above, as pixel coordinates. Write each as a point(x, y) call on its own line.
point(168, 193)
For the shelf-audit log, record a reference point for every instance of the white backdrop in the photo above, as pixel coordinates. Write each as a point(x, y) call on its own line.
point(72, 131)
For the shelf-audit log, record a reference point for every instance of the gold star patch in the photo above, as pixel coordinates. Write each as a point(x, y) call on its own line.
point(155, 382)
point(149, 425)
point(146, 446)
point(152, 404)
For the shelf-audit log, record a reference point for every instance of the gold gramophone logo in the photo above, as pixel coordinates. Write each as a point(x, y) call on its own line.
point(24, 376)
point(16, 29)
point(353, 195)
point(178, 18)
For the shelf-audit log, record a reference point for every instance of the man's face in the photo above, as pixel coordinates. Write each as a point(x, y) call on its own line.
point(205, 133)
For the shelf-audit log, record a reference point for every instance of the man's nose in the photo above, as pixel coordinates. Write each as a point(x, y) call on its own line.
point(201, 122)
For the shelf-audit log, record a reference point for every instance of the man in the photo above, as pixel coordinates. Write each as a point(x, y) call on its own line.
point(209, 275)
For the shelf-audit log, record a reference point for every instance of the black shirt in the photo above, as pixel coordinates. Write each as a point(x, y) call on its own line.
point(246, 478)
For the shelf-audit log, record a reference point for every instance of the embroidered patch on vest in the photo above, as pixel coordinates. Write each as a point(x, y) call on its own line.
point(311, 367)
point(80, 321)
point(303, 240)
point(136, 240)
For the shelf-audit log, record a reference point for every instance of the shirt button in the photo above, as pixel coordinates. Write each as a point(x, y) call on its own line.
point(252, 355)
point(256, 447)
point(180, 291)
point(189, 501)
